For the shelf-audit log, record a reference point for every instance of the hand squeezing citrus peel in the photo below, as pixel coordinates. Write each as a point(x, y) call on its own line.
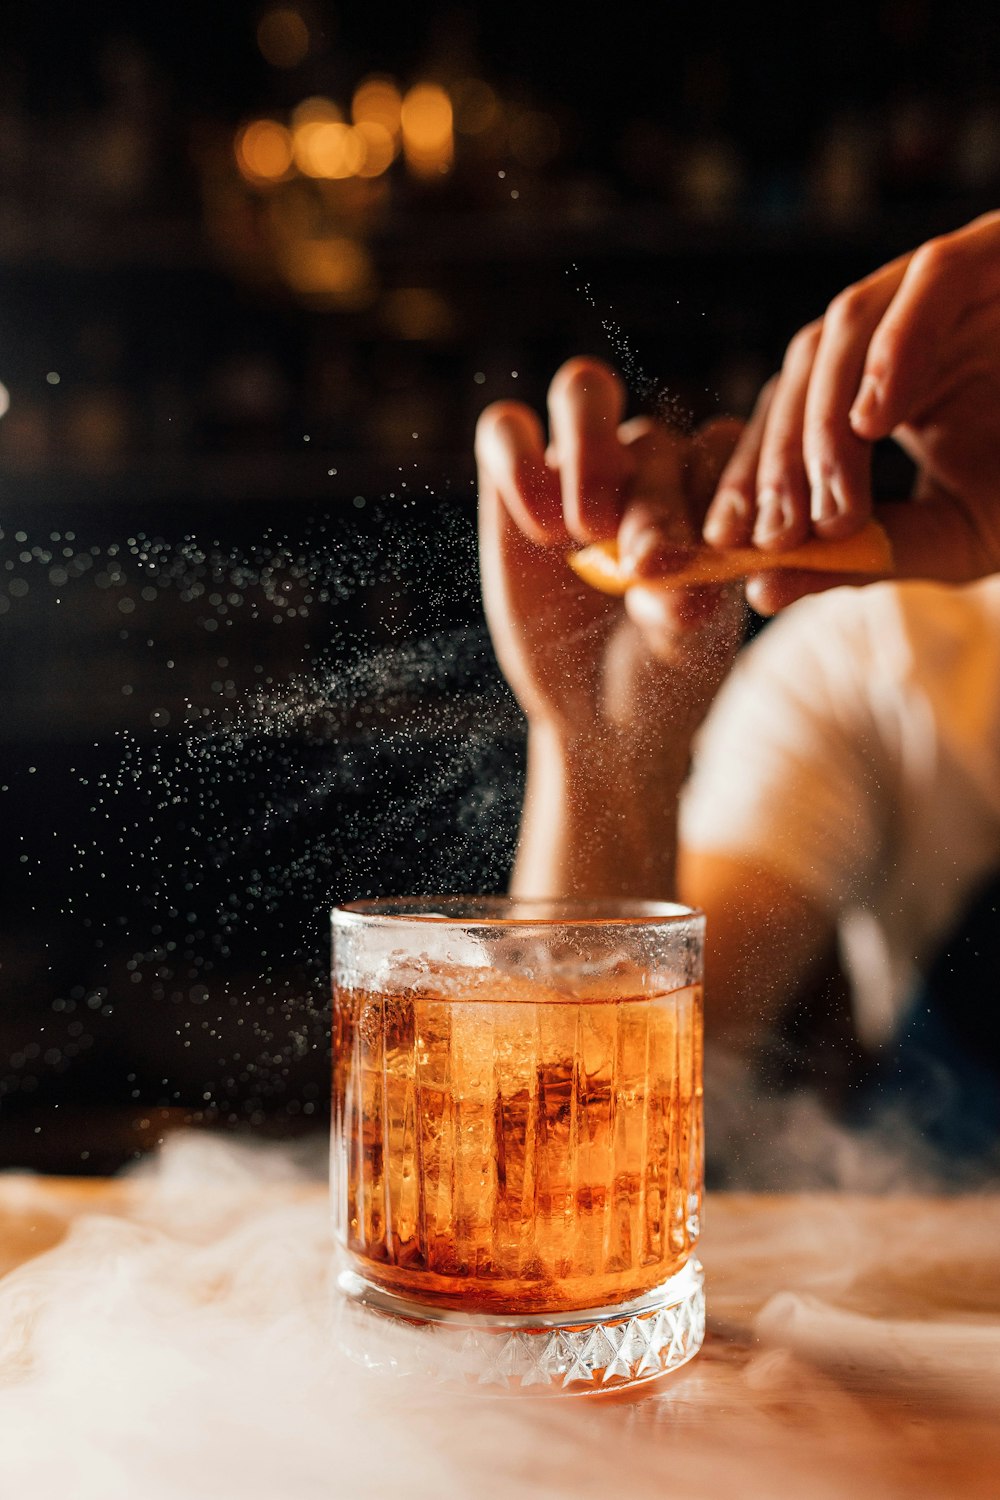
point(866, 552)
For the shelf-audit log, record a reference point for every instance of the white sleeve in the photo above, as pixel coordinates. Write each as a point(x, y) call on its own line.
point(788, 772)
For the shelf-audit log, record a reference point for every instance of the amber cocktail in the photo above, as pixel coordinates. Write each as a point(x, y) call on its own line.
point(517, 1156)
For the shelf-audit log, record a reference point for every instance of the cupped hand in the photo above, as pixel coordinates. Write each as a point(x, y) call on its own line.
point(577, 659)
point(912, 351)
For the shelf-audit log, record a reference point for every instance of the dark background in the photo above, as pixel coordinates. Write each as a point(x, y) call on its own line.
point(243, 666)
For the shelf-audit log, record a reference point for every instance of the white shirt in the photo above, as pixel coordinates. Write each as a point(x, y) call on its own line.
point(855, 752)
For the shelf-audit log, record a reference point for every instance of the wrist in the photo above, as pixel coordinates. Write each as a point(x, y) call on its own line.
point(617, 764)
point(600, 815)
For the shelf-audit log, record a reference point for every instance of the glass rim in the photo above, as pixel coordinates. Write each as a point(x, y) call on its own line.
point(485, 911)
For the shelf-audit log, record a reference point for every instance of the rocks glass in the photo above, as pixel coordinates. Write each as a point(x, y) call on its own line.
point(517, 1136)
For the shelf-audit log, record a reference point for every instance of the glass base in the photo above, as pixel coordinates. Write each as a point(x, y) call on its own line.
point(587, 1352)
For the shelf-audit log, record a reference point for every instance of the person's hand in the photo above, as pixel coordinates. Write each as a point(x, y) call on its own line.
point(913, 351)
point(578, 661)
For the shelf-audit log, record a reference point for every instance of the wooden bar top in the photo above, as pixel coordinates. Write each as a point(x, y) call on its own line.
point(853, 1345)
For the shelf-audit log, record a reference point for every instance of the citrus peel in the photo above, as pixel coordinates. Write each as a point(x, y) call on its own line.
point(866, 552)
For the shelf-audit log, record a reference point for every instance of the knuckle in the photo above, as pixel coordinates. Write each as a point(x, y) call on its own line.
point(738, 473)
point(884, 351)
point(935, 258)
point(802, 346)
point(848, 310)
point(821, 433)
point(780, 464)
point(781, 446)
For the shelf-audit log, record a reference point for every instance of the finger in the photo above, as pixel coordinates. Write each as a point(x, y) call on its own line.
point(511, 561)
point(937, 537)
point(655, 534)
point(586, 402)
point(524, 580)
point(668, 613)
point(510, 453)
point(782, 500)
point(837, 460)
point(768, 593)
point(945, 281)
point(683, 629)
point(967, 372)
point(709, 451)
point(529, 593)
point(694, 607)
point(729, 521)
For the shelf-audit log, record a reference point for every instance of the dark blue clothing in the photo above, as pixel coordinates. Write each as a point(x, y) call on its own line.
point(942, 1074)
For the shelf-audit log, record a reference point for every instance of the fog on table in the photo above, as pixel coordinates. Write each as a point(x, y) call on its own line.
point(504, 1154)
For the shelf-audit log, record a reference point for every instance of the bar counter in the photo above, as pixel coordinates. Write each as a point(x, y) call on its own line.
point(853, 1349)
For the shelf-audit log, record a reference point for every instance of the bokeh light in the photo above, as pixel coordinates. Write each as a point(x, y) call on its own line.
point(264, 151)
point(317, 109)
point(4, 400)
point(283, 37)
point(426, 121)
point(378, 145)
point(334, 269)
point(377, 101)
point(329, 148)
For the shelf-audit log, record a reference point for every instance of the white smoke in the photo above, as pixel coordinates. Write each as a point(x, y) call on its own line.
point(181, 1342)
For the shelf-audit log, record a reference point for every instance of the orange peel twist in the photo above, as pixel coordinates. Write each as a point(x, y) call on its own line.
point(868, 551)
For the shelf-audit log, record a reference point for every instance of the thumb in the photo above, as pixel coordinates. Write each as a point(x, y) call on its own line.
point(933, 536)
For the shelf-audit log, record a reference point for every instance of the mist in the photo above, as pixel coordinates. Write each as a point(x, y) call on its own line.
point(185, 1339)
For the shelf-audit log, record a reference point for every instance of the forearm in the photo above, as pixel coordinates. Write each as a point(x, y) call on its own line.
point(765, 940)
point(600, 819)
point(599, 816)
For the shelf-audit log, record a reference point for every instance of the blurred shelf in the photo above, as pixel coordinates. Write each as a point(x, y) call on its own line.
point(551, 227)
point(65, 245)
point(543, 234)
point(233, 479)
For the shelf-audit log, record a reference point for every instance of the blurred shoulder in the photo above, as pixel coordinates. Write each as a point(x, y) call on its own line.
point(894, 628)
